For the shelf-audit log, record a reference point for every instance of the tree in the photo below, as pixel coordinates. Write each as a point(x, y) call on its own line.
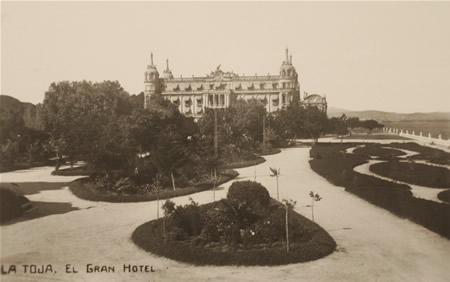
point(315, 122)
point(77, 116)
point(371, 124)
point(338, 125)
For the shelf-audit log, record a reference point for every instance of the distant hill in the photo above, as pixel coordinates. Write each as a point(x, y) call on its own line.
point(389, 116)
point(13, 110)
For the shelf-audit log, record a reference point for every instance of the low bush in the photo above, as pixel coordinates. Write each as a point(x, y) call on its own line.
point(10, 204)
point(337, 168)
point(414, 173)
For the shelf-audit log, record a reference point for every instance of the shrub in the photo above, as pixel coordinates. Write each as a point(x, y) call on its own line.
point(248, 194)
point(188, 219)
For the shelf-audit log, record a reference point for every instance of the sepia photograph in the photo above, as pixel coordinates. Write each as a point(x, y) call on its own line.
point(225, 141)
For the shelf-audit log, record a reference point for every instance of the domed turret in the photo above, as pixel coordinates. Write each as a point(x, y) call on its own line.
point(287, 69)
point(151, 81)
point(167, 74)
point(151, 74)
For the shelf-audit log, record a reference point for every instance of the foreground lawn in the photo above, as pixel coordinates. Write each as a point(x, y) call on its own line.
point(310, 244)
point(419, 174)
point(331, 162)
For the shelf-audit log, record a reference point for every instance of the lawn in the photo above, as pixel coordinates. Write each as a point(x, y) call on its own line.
point(414, 173)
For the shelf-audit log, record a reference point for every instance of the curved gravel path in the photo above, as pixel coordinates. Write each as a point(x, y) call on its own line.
point(373, 244)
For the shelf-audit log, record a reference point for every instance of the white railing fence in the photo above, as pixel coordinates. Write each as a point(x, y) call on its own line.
point(419, 137)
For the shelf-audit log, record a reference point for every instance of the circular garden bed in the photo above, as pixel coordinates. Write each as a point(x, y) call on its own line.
point(247, 228)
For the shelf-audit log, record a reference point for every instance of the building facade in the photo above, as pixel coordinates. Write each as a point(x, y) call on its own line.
point(221, 89)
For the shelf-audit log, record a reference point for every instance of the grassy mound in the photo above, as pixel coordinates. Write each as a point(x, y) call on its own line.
point(84, 188)
point(331, 162)
point(310, 244)
point(419, 174)
point(444, 196)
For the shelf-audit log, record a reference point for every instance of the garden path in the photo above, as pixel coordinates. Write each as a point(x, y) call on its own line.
point(373, 244)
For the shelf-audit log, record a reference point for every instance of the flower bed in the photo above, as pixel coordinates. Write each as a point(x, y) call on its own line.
point(247, 228)
point(85, 188)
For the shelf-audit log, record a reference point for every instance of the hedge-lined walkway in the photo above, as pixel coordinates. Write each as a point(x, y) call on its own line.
point(373, 244)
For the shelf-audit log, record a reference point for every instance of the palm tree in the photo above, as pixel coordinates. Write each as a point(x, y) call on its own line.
point(315, 198)
point(289, 204)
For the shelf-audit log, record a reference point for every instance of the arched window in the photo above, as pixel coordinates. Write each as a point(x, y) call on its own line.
point(283, 73)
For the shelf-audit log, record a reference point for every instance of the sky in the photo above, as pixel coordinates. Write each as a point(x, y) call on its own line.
point(390, 56)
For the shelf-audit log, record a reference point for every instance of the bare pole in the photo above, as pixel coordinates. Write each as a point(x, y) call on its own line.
point(287, 226)
point(264, 133)
point(216, 137)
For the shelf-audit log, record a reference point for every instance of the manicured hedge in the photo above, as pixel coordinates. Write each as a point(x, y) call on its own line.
point(149, 237)
point(85, 189)
point(426, 153)
point(242, 164)
point(73, 171)
point(376, 137)
point(378, 151)
point(337, 167)
point(414, 173)
point(272, 152)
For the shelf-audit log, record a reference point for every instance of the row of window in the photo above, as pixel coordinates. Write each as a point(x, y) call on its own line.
point(239, 87)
